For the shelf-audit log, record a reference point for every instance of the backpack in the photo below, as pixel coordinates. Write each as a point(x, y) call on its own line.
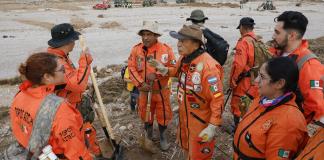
point(216, 46)
point(122, 71)
point(261, 55)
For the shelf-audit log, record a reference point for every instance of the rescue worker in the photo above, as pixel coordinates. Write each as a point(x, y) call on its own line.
point(200, 93)
point(139, 69)
point(274, 127)
point(43, 73)
point(240, 79)
point(61, 44)
point(197, 17)
point(288, 40)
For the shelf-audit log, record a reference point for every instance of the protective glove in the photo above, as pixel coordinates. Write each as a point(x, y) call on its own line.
point(208, 133)
point(159, 66)
point(86, 53)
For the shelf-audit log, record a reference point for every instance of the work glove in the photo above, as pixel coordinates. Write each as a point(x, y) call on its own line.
point(144, 87)
point(208, 133)
point(159, 66)
point(88, 57)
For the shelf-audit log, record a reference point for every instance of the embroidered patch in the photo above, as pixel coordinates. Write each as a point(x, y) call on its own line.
point(212, 80)
point(197, 88)
point(164, 58)
point(196, 78)
point(315, 84)
point(217, 94)
point(189, 87)
point(180, 94)
point(194, 105)
point(266, 125)
point(213, 88)
point(283, 153)
point(192, 67)
point(183, 78)
point(200, 66)
point(173, 62)
point(191, 98)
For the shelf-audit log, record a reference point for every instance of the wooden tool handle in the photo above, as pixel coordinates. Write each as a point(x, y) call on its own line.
point(102, 108)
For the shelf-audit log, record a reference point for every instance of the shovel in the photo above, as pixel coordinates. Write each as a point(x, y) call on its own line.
point(145, 142)
point(115, 147)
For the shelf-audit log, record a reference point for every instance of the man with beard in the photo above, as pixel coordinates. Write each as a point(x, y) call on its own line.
point(240, 79)
point(288, 40)
point(140, 72)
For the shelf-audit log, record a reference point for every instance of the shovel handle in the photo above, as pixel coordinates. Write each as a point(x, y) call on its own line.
point(103, 114)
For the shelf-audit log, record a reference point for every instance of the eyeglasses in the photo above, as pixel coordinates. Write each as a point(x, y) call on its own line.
point(262, 76)
point(62, 69)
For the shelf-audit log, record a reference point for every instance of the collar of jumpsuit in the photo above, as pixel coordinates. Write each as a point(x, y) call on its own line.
point(57, 52)
point(38, 92)
point(251, 34)
point(153, 48)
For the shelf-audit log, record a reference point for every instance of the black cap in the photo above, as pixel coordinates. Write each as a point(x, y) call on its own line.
point(246, 21)
point(62, 34)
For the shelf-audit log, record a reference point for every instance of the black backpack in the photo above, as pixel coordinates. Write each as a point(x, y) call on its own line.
point(216, 46)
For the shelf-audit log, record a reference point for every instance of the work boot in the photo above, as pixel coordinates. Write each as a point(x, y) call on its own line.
point(163, 138)
point(149, 130)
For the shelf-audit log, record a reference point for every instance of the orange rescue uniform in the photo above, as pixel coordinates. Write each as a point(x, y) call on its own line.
point(139, 69)
point(66, 137)
point(76, 83)
point(200, 97)
point(76, 79)
point(309, 83)
point(278, 133)
point(242, 63)
point(314, 149)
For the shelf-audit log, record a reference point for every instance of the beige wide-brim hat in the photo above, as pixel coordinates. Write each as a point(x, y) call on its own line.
point(151, 26)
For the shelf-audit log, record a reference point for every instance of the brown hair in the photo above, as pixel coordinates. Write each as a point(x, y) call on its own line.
point(37, 65)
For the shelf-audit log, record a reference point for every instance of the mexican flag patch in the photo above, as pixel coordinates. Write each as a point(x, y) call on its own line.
point(314, 84)
point(283, 153)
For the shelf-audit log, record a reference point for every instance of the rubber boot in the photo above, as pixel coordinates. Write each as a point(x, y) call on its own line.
point(163, 138)
point(149, 130)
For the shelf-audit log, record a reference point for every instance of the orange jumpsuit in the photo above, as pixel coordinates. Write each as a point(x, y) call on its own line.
point(76, 84)
point(66, 138)
point(276, 134)
point(242, 63)
point(315, 147)
point(310, 73)
point(200, 97)
point(139, 69)
point(76, 79)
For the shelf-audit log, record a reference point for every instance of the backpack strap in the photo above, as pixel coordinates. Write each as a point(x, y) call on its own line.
point(304, 59)
point(43, 124)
